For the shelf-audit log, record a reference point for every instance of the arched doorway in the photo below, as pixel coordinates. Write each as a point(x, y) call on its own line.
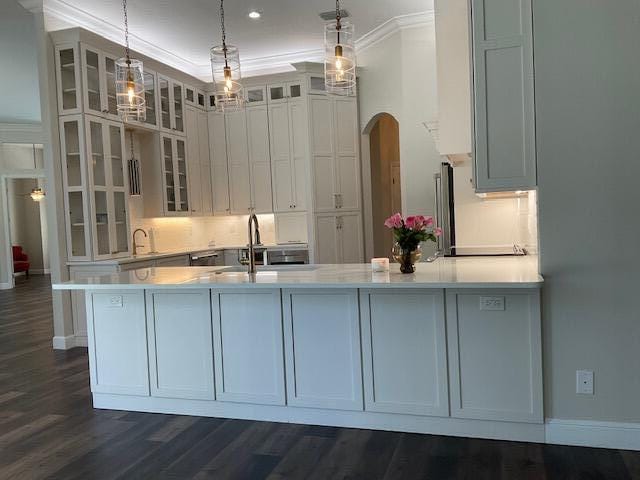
point(386, 190)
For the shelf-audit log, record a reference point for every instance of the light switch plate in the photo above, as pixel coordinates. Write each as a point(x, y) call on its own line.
point(492, 303)
point(115, 301)
point(584, 382)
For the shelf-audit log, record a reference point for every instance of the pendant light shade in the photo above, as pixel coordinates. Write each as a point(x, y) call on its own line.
point(340, 56)
point(130, 95)
point(37, 194)
point(225, 67)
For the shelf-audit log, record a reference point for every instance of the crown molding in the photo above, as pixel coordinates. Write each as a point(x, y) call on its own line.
point(33, 6)
point(61, 10)
point(392, 26)
point(68, 14)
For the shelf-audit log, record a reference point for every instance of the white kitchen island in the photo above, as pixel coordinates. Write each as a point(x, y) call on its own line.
point(453, 349)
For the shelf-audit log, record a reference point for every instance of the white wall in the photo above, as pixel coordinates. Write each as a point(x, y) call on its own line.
point(398, 76)
point(588, 119)
point(20, 99)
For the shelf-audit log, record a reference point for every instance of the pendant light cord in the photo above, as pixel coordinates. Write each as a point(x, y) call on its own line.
point(338, 18)
point(126, 32)
point(224, 33)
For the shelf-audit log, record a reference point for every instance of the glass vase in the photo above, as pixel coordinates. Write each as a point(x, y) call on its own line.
point(407, 258)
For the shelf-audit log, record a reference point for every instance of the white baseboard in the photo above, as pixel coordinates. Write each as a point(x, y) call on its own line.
point(5, 286)
point(71, 341)
point(64, 343)
point(590, 433)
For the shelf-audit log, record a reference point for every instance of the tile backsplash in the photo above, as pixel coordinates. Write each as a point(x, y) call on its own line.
point(173, 233)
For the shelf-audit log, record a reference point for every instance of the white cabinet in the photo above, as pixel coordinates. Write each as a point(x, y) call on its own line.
point(68, 79)
point(289, 146)
point(95, 186)
point(504, 147)
point(248, 346)
point(334, 151)
point(118, 350)
point(180, 344)
point(199, 162)
point(322, 348)
point(171, 105)
point(259, 159)
point(454, 76)
point(495, 355)
point(219, 165)
point(99, 80)
point(175, 193)
point(404, 357)
point(108, 185)
point(238, 158)
point(338, 238)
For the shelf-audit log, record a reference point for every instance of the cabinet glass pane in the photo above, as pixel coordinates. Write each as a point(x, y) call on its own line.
point(68, 79)
point(276, 93)
point(164, 103)
point(168, 174)
point(189, 95)
point(212, 101)
point(177, 98)
point(110, 70)
point(182, 176)
point(97, 154)
point(72, 153)
point(102, 222)
point(76, 223)
point(117, 170)
point(201, 99)
point(256, 95)
point(150, 97)
point(317, 84)
point(92, 64)
point(295, 91)
point(120, 210)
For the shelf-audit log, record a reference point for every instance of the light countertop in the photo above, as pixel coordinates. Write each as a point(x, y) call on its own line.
point(182, 251)
point(465, 272)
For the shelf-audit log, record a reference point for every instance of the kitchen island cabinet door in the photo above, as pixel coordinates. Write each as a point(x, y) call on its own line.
point(248, 346)
point(322, 348)
point(118, 342)
point(404, 356)
point(180, 344)
point(495, 355)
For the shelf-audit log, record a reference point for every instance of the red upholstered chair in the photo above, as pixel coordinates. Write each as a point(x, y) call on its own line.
point(20, 260)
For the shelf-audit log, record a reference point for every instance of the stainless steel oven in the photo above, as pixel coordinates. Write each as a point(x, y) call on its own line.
point(288, 257)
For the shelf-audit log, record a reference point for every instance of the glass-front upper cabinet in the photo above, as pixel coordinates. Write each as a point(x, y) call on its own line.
point(282, 92)
point(74, 174)
point(256, 95)
point(108, 183)
point(171, 105)
point(174, 161)
point(99, 79)
point(68, 80)
point(150, 98)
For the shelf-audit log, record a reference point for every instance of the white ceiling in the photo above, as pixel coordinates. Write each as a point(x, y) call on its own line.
point(180, 32)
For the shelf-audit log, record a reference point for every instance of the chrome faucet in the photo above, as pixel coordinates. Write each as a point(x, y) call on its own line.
point(253, 241)
point(135, 245)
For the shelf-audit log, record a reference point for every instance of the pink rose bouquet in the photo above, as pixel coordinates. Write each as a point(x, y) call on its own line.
point(410, 231)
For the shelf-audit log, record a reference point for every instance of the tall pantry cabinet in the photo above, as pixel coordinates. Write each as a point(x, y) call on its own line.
point(336, 178)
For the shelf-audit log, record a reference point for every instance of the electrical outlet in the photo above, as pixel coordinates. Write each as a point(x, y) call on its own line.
point(492, 303)
point(584, 382)
point(115, 301)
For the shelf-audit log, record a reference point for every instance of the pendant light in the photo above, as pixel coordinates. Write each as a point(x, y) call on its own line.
point(129, 81)
point(225, 66)
point(340, 56)
point(37, 194)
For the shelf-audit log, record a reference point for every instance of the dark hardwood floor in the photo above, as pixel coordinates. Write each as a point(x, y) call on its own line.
point(48, 429)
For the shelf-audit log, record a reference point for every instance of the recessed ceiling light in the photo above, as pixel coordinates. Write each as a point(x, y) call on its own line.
point(254, 14)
